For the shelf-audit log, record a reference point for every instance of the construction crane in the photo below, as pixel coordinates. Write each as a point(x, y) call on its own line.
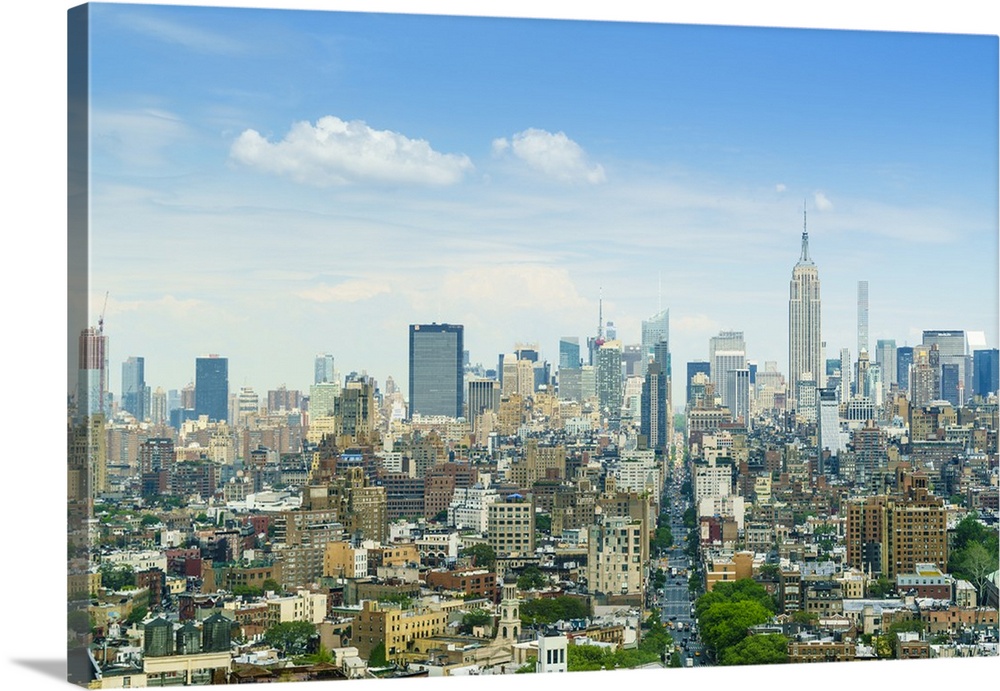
point(100, 319)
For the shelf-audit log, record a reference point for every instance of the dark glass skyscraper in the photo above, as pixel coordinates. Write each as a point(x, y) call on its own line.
point(904, 358)
point(654, 407)
point(985, 371)
point(135, 393)
point(436, 369)
point(569, 352)
point(211, 387)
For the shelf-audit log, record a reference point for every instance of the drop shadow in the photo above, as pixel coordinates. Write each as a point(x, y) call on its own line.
point(50, 668)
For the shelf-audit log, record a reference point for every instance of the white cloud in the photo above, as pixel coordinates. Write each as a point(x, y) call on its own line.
point(335, 152)
point(348, 291)
point(780, 187)
point(555, 155)
point(821, 201)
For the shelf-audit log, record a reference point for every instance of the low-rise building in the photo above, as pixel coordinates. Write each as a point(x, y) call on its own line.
point(466, 581)
point(395, 628)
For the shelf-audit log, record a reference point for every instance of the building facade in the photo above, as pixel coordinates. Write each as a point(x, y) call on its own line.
point(436, 369)
point(804, 340)
point(211, 388)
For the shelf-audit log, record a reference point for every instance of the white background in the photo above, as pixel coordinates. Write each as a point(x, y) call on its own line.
point(32, 454)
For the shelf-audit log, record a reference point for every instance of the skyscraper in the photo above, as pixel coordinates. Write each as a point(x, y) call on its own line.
point(738, 394)
point(92, 386)
point(609, 381)
point(804, 342)
point(436, 369)
point(862, 315)
point(211, 387)
point(846, 375)
point(654, 410)
point(655, 330)
point(135, 393)
point(828, 429)
point(483, 396)
point(904, 359)
point(925, 375)
point(569, 352)
point(726, 352)
point(954, 350)
point(323, 369)
point(885, 357)
point(694, 368)
point(985, 368)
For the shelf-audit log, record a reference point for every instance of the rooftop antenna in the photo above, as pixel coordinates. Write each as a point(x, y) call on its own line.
point(805, 235)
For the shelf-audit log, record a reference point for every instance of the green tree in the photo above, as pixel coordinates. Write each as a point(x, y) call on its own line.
point(483, 555)
point(527, 668)
point(655, 638)
point(291, 637)
point(806, 618)
point(662, 540)
point(976, 564)
point(477, 617)
point(377, 657)
point(694, 582)
point(137, 615)
point(531, 578)
point(148, 520)
point(117, 577)
point(272, 585)
point(551, 610)
point(401, 600)
point(543, 523)
point(880, 587)
point(585, 658)
point(764, 649)
point(735, 591)
point(769, 571)
point(969, 530)
point(724, 624)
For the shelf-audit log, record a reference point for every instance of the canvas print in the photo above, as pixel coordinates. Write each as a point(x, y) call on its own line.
point(410, 346)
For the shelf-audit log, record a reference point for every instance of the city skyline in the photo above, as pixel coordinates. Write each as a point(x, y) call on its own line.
point(514, 210)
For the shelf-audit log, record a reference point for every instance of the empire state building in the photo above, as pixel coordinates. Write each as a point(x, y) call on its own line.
point(804, 344)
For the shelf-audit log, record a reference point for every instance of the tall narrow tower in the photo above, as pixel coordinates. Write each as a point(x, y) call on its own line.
point(862, 316)
point(804, 341)
point(92, 393)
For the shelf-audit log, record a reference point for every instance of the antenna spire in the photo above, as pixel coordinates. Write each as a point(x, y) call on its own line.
point(805, 236)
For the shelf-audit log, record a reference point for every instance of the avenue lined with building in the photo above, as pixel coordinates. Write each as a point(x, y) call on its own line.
point(543, 517)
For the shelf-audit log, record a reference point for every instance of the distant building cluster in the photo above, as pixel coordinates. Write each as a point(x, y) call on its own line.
point(344, 530)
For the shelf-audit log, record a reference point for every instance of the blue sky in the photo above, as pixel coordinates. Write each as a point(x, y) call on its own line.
point(267, 184)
